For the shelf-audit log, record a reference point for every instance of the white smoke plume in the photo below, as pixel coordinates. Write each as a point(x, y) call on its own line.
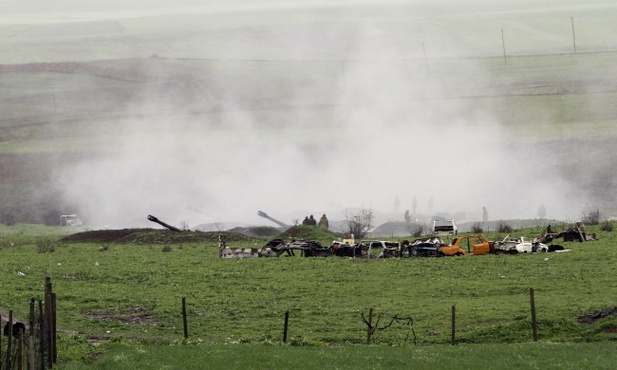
point(353, 116)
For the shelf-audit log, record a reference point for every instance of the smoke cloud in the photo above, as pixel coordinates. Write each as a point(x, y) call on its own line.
point(348, 113)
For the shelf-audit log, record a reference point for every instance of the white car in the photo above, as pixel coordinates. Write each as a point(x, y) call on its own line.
point(520, 245)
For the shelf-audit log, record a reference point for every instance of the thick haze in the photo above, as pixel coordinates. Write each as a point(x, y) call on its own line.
point(382, 144)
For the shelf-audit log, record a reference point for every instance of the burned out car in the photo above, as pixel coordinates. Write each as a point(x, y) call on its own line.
point(514, 245)
point(367, 249)
point(378, 248)
point(424, 247)
point(306, 248)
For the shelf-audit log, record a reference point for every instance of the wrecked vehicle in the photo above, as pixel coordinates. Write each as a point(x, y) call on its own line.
point(513, 245)
point(70, 220)
point(444, 227)
point(424, 247)
point(343, 249)
point(227, 252)
point(476, 244)
point(575, 234)
point(307, 248)
point(378, 249)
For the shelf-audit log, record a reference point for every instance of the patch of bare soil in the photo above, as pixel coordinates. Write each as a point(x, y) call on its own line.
point(135, 316)
point(593, 317)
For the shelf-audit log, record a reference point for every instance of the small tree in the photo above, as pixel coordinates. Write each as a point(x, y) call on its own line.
point(360, 223)
point(415, 230)
point(593, 218)
point(477, 228)
point(503, 227)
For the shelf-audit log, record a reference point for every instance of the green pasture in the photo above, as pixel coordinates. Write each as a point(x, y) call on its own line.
point(199, 355)
point(117, 292)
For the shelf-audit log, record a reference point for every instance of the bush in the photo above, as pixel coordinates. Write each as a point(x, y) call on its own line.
point(45, 246)
point(606, 226)
point(593, 218)
point(503, 227)
point(166, 249)
point(415, 230)
point(477, 228)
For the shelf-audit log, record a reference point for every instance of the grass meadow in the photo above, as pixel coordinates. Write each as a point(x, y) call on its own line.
point(128, 297)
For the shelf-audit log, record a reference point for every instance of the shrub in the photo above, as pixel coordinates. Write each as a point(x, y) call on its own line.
point(477, 228)
point(45, 246)
point(606, 226)
point(593, 218)
point(504, 227)
point(166, 249)
point(415, 230)
point(360, 223)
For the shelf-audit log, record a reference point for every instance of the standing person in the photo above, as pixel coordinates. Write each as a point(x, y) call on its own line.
point(312, 221)
point(306, 221)
point(323, 222)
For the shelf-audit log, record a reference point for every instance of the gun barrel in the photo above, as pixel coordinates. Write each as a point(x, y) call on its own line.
point(265, 215)
point(154, 219)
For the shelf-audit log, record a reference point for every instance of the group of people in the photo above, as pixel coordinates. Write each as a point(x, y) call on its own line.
point(310, 221)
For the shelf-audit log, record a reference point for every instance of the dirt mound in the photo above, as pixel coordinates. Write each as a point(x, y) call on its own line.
point(258, 231)
point(152, 236)
point(304, 232)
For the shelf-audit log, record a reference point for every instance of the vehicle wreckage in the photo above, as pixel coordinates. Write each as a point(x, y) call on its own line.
point(513, 245)
point(309, 248)
point(433, 246)
point(573, 234)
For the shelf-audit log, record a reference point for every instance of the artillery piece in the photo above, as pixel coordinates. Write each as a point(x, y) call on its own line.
point(154, 219)
point(281, 224)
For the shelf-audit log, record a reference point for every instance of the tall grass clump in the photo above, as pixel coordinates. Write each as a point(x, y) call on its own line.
point(45, 246)
point(606, 226)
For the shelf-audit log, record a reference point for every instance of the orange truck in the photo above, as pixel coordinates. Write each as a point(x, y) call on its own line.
point(475, 244)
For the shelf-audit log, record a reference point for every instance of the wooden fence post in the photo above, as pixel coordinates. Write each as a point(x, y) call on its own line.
point(285, 326)
point(42, 336)
point(369, 331)
point(31, 347)
point(54, 336)
point(453, 324)
point(184, 322)
point(534, 323)
point(9, 350)
point(48, 319)
point(20, 350)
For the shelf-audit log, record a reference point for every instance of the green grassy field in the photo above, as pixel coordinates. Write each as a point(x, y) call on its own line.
point(132, 293)
point(545, 355)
